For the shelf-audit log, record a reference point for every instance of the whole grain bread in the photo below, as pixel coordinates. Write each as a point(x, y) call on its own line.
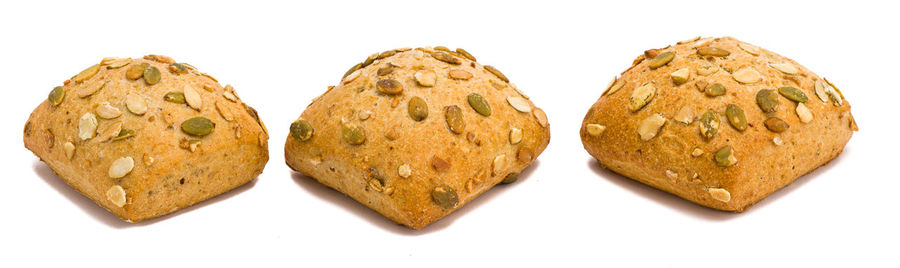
point(146, 137)
point(417, 133)
point(717, 121)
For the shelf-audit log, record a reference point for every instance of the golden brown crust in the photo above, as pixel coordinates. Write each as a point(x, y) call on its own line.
point(679, 160)
point(372, 172)
point(171, 169)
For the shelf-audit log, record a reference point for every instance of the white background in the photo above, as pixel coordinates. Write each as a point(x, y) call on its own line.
point(565, 210)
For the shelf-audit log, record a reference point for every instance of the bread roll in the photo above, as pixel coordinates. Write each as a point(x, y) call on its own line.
point(717, 121)
point(417, 133)
point(146, 137)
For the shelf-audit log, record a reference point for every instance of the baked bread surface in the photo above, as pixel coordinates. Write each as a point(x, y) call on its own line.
point(145, 137)
point(418, 153)
point(678, 137)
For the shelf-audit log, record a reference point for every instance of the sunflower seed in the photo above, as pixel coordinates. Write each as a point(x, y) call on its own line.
point(454, 117)
point(685, 115)
point(650, 126)
point(662, 59)
point(480, 104)
point(87, 126)
point(353, 135)
point(496, 72)
point(641, 96)
point(121, 167)
point(805, 115)
point(417, 109)
point(515, 135)
point(540, 116)
point(192, 97)
point(709, 124)
point(793, 94)
point(820, 91)
point(69, 148)
point(784, 67)
point(747, 75)
point(56, 96)
point(499, 165)
point(107, 111)
point(776, 125)
point(697, 152)
point(198, 126)
point(720, 194)
point(86, 74)
point(404, 171)
point(444, 196)
point(725, 156)
point(460, 74)
point(301, 130)
point(595, 129)
point(519, 103)
point(681, 75)
point(116, 195)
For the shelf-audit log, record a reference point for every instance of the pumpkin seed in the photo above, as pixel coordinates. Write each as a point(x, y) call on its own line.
point(736, 117)
point(716, 89)
point(369, 60)
point(386, 54)
point(135, 103)
point(465, 53)
point(86, 74)
point(713, 51)
point(444, 196)
point(747, 75)
point(441, 48)
point(776, 125)
point(454, 116)
point(389, 86)
point(152, 75)
point(426, 78)
point(175, 97)
point(386, 70)
point(519, 103)
point(834, 93)
point(178, 68)
point(681, 75)
point(301, 130)
point(442, 56)
point(87, 126)
point(510, 178)
point(709, 124)
point(198, 126)
point(354, 135)
point(480, 104)
point(662, 59)
point(121, 167)
point(124, 134)
point(352, 69)
point(136, 71)
point(459, 74)
point(725, 156)
point(650, 126)
point(417, 108)
point(767, 100)
point(56, 96)
point(785, 67)
point(496, 72)
point(805, 115)
point(793, 94)
point(595, 129)
point(641, 96)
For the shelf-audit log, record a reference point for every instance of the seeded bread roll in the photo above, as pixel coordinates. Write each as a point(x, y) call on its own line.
point(146, 137)
point(716, 121)
point(416, 134)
